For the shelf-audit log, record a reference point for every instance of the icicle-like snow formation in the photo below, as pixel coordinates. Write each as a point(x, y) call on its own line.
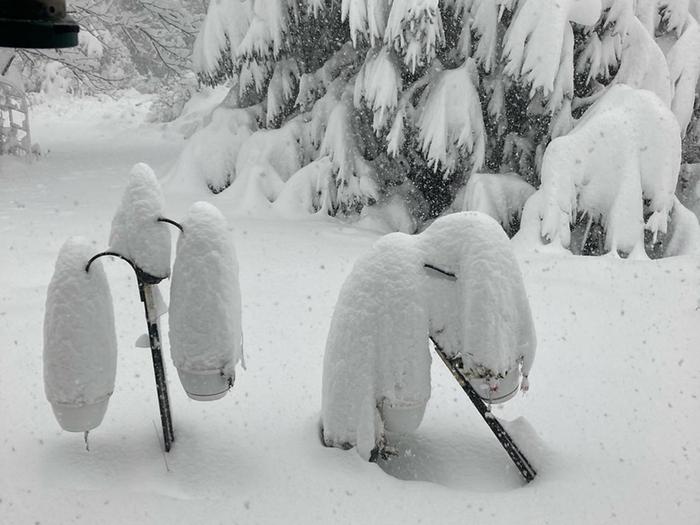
point(684, 67)
point(136, 233)
point(379, 83)
point(625, 148)
point(356, 179)
point(414, 29)
point(377, 363)
point(451, 124)
point(222, 30)
point(80, 343)
point(535, 38)
point(205, 299)
point(281, 88)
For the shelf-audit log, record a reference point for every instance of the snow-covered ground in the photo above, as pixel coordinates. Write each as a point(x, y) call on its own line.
point(610, 422)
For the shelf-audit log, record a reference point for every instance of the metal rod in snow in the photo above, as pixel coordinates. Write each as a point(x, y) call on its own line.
point(146, 293)
point(518, 458)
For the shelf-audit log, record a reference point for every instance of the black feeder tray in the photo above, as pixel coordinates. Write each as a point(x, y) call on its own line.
point(36, 24)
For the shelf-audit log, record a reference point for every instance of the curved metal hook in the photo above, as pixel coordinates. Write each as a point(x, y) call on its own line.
point(170, 221)
point(145, 278)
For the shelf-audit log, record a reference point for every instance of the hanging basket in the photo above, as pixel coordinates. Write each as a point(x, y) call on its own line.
point(402, 417)
point(205, 385)
point(80, 418)
point(497, 390)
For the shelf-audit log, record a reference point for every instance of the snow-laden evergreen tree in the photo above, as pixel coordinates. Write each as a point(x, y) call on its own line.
point(412, 97)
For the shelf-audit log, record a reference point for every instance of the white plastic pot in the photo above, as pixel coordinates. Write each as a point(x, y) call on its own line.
point(205, 385)
point(80, 418)
point(402, 417)
point(496, 391)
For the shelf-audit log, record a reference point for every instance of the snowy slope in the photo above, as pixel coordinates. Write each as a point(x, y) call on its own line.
point(611, 419)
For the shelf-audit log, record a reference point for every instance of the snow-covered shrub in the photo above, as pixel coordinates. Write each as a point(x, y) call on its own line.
point(136, 232)
point(209, 158)
point(309, 191)
point(80, 343)
point(683, 237)
point(376, 374)
point(205, 303)
point(501, 196)
point(429, 92)
point(624, 152)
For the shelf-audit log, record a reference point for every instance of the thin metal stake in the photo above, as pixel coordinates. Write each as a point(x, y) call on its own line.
point(146, 293)
point(526, 470)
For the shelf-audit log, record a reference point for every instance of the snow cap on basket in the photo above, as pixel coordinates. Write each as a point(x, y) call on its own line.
point(484, 317)
point(205, 304)
point(136, 233)
point(80, 342)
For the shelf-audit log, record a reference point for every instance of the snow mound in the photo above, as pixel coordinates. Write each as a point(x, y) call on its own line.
point(80, 342)
point(208, 161)
point(625, 148)
point(376, 374)
point(501, 196)
point(205, 299)
point(266, 160)
point(642, 64)
point(136, 233)
point(684, 232)
point(309, 191)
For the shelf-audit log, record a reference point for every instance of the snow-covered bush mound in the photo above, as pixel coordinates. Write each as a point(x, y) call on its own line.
point(501, 196)
point(624, 151)
point(265, 161)
point(376, 375)
point(684, 232)
point(208, 161)
point(309, 191)
point(136, 232)
point(80, 343)
point(205, 299)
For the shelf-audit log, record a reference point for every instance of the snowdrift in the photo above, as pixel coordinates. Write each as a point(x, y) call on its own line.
point(376, 374)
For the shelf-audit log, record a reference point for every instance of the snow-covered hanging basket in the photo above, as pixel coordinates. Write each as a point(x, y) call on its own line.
point(482, 315)
point(205, 305)
point(80, 343)
point(402, 417)
point(137, 233)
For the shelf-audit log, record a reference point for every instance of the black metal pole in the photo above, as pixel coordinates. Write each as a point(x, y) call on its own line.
point(521, 462)
point(146, 294)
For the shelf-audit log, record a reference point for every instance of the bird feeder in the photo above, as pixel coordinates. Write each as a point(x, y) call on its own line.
point(36, 24)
